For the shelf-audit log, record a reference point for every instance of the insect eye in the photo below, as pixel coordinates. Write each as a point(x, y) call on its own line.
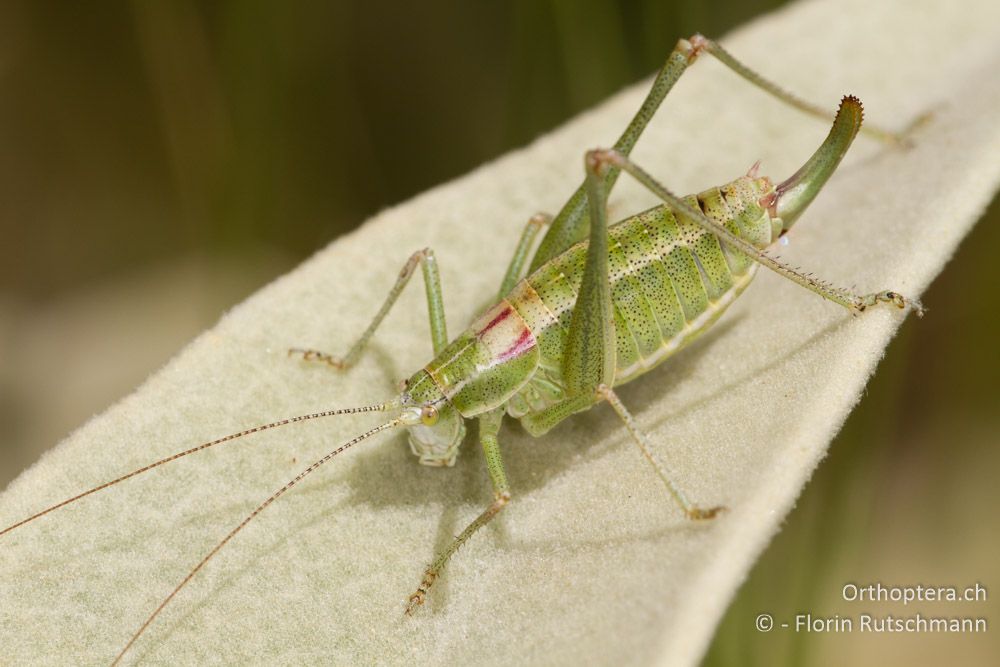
point(428, 415)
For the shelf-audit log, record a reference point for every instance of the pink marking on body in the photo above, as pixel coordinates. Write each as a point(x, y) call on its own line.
point(504, 314)
point(524, 343)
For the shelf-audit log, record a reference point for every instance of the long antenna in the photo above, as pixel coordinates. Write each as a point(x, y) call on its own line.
point(249, 517)
point(233, 436)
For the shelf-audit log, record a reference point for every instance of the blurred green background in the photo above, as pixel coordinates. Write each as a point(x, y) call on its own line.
point(160, 161)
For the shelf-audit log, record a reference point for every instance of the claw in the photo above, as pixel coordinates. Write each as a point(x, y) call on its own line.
point(316, 355)
point(418, 598)
point(889, 297)
point(698, 514)
point(415, 601)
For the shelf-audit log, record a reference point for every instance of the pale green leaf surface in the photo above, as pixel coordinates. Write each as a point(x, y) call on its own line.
point(591, 561)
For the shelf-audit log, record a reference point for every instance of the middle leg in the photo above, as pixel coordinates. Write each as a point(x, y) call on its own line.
point(691, 511)
point(515, 270)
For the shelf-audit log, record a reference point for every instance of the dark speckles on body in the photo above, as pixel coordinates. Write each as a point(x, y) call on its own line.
point(669, 280)
point(667, 275)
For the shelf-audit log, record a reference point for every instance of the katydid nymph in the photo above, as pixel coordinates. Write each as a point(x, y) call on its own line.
point(592, 307)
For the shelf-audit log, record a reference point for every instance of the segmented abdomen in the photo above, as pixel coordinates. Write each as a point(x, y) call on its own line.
point(669, 280)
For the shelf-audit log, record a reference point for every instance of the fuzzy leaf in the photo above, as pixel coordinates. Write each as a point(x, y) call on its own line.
point(591, 562)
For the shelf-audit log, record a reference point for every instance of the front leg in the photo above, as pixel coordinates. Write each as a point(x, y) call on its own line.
point(489, 427)
point(435, 310)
